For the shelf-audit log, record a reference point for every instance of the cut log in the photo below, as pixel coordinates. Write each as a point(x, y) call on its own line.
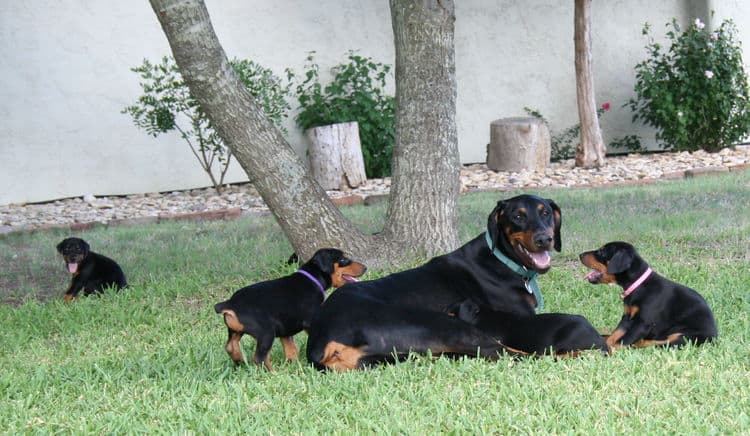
point(520, 143)
point(335, 155)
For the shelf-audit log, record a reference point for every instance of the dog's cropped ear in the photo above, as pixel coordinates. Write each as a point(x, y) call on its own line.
point(620, 262)
point(558, 223)
point(85, 246)
point(493, 223)
point(59, 247)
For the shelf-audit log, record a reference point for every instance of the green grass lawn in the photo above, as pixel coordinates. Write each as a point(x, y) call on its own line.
point(151, 360)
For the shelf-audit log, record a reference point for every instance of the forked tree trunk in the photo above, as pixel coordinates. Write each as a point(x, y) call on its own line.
point(422, 222)
point(590, 151)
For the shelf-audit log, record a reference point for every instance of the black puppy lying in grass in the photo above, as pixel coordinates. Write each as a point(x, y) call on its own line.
point(558, 334)
point(285, 306)
point(92, 272)
point(658, 311)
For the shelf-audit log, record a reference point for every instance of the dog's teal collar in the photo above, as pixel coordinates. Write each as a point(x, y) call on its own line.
point(529, 277)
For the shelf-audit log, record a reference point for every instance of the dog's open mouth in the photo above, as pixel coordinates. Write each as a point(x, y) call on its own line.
point(349, 278)
point(73, 268)
point(593, 276)
point(540, 261)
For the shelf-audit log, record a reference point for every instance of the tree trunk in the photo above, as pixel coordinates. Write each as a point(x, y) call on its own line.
point(590, 151)
point(425, 172)
point(423, 220)
point(335, 155)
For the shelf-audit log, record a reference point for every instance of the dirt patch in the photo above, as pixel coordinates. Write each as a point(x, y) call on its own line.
point(20, 283)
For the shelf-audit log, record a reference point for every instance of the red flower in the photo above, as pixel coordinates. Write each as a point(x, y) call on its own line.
point(605, 106)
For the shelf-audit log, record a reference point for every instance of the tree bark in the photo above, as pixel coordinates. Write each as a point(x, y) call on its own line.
point(422, 220)
point(590, 151)
point(425, 172)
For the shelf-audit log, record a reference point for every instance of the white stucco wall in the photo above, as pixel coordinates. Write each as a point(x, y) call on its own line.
point(65, 76)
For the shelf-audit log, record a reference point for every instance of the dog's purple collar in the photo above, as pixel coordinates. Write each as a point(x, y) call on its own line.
point(636, 283)
point(314, 280)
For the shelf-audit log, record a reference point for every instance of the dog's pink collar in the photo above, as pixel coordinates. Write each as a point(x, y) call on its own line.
point(636, 283)
point(314, 280)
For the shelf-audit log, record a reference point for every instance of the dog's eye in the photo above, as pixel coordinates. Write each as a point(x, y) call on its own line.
point(344, 261)
point(518, 217)
point(545, 213)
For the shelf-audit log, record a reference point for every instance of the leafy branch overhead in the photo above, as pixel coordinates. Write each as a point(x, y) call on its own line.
point(167, 105)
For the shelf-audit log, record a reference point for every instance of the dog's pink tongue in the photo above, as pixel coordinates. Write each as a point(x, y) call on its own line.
point(541, 260)
point(73, 268)
point(592, 276)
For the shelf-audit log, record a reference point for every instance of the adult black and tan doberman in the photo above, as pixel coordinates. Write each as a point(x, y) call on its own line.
point(381, 320)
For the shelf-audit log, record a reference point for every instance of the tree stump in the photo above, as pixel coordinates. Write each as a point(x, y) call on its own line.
point(520, 143)
point(335, 155)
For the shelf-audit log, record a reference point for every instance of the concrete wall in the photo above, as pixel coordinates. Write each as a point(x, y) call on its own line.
point(65, 70)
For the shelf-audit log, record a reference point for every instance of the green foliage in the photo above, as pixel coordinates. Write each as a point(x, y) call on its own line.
point(355, 93)
point(266, 88)
point(627, 142)
point(563, 143)
point(695, 93)
point(167, 105)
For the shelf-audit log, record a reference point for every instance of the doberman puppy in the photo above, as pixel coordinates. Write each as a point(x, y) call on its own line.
point(559, 334)
point(92, 272)
point(373, 321)
point(658, 311)
point(283, 307)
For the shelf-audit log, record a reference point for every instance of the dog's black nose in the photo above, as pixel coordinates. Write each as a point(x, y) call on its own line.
point(542, 240)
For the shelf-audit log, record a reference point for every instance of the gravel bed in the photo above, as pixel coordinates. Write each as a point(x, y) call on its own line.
point(243, 199)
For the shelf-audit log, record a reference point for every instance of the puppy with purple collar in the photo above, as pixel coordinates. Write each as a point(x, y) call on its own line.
point(285, 306)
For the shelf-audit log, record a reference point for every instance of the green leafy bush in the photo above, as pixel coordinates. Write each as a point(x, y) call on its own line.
point(695, 93)
point(563, 143)
point(355, 93)
point(166, 105)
